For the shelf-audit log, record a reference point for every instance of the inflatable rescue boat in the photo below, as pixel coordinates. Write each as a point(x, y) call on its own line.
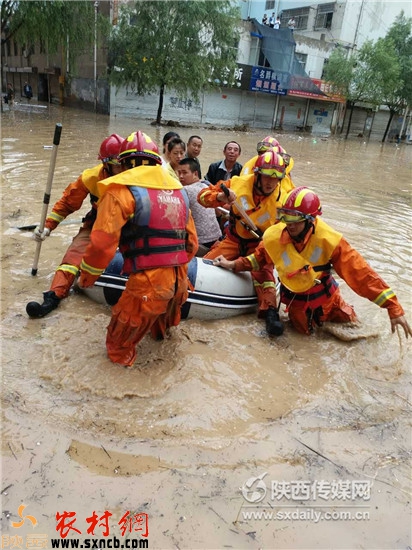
point(218, 293)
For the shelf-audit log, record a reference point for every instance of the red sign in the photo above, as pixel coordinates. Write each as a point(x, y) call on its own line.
point(325, 87)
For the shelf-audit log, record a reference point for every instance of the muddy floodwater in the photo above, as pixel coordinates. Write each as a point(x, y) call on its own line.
point(223, 437)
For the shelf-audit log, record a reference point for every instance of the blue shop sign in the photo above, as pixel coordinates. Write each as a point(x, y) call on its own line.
point(268, 81)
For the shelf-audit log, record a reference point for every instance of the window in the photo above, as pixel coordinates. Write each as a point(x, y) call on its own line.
point(270, 5)
point(263, 62)
point(301, 57)
point(324, 16)
point(301, 17)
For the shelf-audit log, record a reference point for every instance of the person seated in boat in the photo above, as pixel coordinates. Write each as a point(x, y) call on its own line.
point(228, 167)
point(224, 170)
point(304, 249)
point(193, 148)
point(207, 226)
point(265, 145)
point(253, 201)
point(71, 201)
point(176, 149)
point(166, 138)
point(145, 211)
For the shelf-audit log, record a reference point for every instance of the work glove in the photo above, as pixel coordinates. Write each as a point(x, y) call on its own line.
point(40, 235)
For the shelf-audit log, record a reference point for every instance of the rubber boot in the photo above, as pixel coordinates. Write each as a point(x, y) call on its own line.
point(274, 326)
point(36, 310)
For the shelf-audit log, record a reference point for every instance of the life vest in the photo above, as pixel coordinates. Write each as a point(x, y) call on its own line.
point(156, 234)
point(149, 177)
point(263, 215)
point(305, 276)
point(90, 177)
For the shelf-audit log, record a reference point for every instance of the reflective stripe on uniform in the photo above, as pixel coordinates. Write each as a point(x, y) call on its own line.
point(68, 268)
point(253, 262)
point(89, 269)
point(265, 284)
point(55, 217)
point(383, 296)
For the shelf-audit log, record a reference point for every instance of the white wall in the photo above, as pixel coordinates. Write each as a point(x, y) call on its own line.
point(227, 107)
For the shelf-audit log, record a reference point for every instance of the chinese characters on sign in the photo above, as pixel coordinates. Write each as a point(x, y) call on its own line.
point(304, 87)
point(269, 81)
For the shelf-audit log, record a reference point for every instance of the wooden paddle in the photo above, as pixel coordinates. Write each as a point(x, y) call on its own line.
point(46, 198)
point(247, 221)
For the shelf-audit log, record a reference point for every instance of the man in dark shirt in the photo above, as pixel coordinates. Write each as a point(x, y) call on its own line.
point(228, 167)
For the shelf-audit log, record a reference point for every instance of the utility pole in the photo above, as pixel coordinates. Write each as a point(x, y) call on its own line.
point(355, 38)
point(96, 5)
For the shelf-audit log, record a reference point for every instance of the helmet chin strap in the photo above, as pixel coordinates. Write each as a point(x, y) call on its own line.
point(299, 238)
point(108, 169)
point(258, 186)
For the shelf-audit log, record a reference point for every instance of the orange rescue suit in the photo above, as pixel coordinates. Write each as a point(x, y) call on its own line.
point(71, 201)
point(152, 298)
point(347, 263)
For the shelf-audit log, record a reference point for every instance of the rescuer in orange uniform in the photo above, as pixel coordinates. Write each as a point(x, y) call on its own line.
point(71, 201)
point(304, 249)
point(146, 212)
point(259, 195)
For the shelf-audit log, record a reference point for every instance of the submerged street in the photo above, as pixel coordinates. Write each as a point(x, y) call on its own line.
point(204, 413)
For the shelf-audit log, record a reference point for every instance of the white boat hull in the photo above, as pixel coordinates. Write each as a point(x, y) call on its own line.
point(217, 294)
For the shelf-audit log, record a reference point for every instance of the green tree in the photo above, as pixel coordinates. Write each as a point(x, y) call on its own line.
point(180, 45)
point(398, 94)
point(367, 76)
point(338, 71)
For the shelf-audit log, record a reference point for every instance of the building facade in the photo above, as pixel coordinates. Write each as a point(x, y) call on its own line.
point(277, 83)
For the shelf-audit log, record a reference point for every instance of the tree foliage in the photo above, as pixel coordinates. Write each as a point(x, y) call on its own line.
point(338, 71)
point(367, 75)
point(180, 45)
point(376, 73)
point(399, 37)
point(380, 73)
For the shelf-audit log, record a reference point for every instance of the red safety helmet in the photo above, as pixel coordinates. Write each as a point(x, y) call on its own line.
point(139, 144)
point(266, 144)
point(271, 164)
point(110, 149)
point(300, 204)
